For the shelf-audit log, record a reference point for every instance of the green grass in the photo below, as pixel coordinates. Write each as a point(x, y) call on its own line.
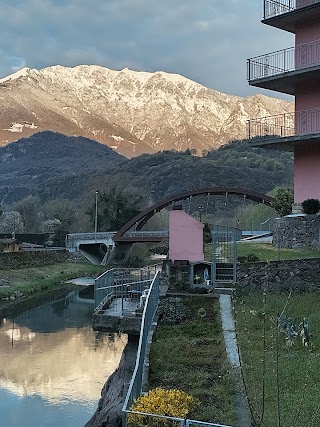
point(191, 356)
point(267, 252)
point(299, 375)
point(37, 279)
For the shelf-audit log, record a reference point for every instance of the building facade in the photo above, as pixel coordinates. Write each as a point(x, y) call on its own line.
point(185, 237)
point(294, 71)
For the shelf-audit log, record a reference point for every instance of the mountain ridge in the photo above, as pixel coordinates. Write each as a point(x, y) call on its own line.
point(133, 112)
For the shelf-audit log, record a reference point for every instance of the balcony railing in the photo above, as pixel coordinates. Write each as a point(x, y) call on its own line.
point(291, 59)
point(278, 7)
point(284, 125)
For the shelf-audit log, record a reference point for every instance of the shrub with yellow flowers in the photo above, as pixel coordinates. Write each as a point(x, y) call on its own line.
point(159, 401)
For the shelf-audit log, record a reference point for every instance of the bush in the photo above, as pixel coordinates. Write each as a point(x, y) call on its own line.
point(283, 200)
point(311, 206)
point(171, 403)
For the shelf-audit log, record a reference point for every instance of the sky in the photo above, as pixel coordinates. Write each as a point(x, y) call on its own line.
point(207, 41)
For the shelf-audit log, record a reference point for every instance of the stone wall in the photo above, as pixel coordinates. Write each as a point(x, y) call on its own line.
point(278, 276)
point(16, 260)
point(297, 232)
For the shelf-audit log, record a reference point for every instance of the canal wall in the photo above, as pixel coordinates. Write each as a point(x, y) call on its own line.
point(109, 411)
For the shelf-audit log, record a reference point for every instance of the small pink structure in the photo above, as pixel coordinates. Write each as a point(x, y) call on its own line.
point(294, 71)
point(185, 237)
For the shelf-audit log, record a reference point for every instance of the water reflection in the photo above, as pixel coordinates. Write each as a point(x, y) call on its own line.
point(51, 352)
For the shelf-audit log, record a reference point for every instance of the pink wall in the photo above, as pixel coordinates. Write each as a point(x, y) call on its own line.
point(307, 106)
point(185, 237)
point(302, 3)
point(307, 98)
point(307, 173)
point(307, 32)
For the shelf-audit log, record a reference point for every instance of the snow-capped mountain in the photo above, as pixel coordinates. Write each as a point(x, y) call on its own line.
point(131, 112)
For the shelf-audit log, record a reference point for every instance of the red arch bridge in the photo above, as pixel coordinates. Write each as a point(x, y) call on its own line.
point(100, 248)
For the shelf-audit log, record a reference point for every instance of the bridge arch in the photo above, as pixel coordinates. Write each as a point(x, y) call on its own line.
point(139, 220)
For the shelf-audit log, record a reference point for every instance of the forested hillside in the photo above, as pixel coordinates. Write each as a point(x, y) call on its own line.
point(30, 165)
point(159, 175)
point(236, 164)
point(52, 167)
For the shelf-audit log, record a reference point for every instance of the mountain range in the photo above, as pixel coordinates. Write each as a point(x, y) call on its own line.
point(131, 112)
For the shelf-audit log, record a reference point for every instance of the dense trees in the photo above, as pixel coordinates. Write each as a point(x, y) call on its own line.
point(61, 198)
point(283, 200)
point(115, 209)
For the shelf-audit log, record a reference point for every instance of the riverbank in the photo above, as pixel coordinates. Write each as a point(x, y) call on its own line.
point(25, 288)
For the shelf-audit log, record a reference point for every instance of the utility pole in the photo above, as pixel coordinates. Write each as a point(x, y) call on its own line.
point(96, 217)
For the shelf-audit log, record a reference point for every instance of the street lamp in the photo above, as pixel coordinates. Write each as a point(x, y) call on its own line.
point(96, 217)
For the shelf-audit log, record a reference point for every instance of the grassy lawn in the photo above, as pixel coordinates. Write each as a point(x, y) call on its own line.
point(191, 356)
point(298, 379)
point(33, 280)
point(267, 252)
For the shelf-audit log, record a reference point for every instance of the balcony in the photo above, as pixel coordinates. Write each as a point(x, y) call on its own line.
point(286, 14)
point(285, 130)
point(283, 70)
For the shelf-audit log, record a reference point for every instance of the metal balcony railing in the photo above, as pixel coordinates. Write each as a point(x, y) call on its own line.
point(284, 125)
point(278, 7)
point(292, 59)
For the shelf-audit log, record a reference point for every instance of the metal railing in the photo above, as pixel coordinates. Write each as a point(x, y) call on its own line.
point(90, 236)
point(138, 419)
point(284, 125)
point(278, 7)
point(161, 233)
point(150, 308)
point(283, 61)
point(120, 282)
point(281, 125)
point(193, 423)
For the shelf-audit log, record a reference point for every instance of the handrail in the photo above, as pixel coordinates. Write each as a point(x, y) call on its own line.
point(283, 61)
point(135, 386)
point(279, 7)
point(148, 314)
point(104, 284)
point(284, 125)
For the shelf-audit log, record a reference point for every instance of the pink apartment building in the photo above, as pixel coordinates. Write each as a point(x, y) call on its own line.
point(295, 71)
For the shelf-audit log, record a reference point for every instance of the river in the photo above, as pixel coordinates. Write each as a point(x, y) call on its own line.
point(53, 366)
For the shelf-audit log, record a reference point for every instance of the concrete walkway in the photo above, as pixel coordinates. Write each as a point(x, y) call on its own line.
point(230, 338)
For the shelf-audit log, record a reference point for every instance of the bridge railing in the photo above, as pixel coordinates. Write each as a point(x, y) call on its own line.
point(161, 233)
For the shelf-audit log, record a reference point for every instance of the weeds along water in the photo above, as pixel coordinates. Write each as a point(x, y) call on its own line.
point(280, 366)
